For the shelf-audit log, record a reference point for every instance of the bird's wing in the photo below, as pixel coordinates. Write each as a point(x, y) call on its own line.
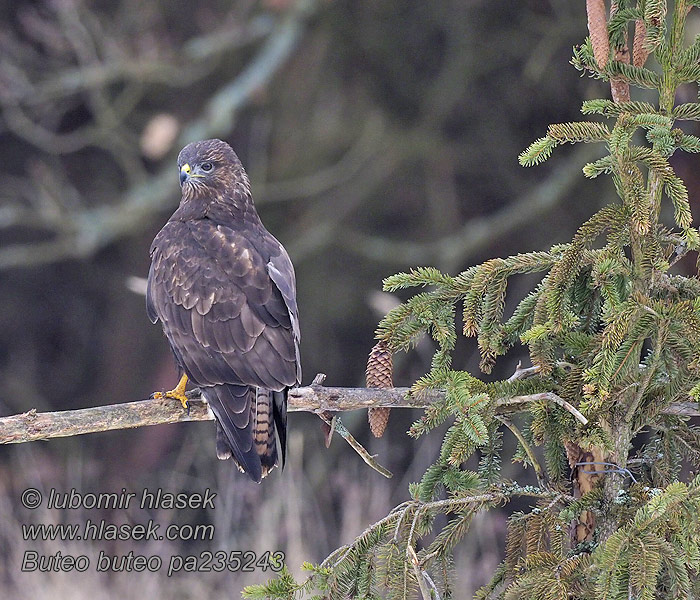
point(281, 271)
point(222, 308)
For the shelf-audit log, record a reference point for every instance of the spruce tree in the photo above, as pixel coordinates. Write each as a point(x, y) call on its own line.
point(613, 335)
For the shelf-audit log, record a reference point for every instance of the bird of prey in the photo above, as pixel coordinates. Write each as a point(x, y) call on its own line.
point(224, 290)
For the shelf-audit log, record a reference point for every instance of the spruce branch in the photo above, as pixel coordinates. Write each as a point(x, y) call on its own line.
point(689, 111)
point(609, 108)
point(624, 74)
point(614, 340)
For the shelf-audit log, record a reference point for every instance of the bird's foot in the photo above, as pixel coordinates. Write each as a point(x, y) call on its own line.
point(178, 394)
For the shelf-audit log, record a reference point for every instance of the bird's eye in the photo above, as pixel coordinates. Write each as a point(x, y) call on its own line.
point(207, 166)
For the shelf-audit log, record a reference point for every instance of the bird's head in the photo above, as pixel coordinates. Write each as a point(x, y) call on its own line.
point(210, 166)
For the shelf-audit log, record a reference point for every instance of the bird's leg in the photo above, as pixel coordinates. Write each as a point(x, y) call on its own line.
point(178, 393)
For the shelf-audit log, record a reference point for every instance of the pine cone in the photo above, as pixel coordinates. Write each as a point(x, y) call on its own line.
point(378, 420)
point(379, 375)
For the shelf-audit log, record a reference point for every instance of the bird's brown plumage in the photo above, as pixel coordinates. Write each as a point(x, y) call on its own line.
point(224, 290)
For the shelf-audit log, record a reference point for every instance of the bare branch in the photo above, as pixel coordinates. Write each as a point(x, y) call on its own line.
point(32, 426)
point(523, 373)
point(422, 583)
point(682, 409)
point(550, 397)
point(335, 424)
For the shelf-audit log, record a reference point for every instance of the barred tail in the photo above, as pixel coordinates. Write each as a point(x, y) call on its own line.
point(270, 412)
point(246, 421)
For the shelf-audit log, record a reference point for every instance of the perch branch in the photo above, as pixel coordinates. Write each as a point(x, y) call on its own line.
point(32, 426)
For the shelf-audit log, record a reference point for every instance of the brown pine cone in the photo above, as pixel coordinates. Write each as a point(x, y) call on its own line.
point(379, 375)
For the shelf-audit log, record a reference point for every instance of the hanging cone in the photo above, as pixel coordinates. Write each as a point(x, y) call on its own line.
point(379, 375)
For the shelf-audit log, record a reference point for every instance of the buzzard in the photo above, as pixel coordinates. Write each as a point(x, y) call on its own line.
point(224, 290)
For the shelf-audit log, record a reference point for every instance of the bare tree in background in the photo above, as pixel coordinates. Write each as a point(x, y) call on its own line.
point(74, 81)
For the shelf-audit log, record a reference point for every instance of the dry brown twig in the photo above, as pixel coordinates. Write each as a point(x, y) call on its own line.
point(332, 423)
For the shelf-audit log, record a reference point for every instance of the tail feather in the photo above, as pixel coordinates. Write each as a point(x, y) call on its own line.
point(270, 416)
point(264, 432)
point(246, 421)
point(231, 405)
point(279, 411)
point(223, 450)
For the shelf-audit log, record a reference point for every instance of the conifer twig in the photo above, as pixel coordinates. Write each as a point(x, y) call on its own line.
point(650, 371)
point(448, 505)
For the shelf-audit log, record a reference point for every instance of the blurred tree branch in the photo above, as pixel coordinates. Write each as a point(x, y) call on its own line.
point(453, 249)
point(81, 229)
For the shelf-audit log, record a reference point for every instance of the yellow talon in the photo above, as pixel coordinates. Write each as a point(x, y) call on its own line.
point(178, 393)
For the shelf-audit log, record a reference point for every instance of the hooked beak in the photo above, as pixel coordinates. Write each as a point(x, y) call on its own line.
point(184, 174)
